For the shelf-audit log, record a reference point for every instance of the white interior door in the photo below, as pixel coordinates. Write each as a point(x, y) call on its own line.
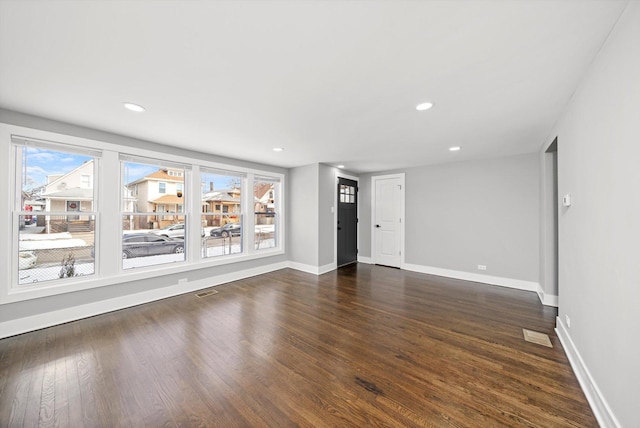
point(388, 210)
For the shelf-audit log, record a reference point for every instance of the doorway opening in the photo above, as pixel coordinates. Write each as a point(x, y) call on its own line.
point(347, 222)
point(551, 239)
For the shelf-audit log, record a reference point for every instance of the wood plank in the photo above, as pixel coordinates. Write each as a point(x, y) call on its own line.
point(361, 346)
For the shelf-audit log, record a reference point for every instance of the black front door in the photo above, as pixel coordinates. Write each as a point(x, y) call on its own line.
point(347, 221)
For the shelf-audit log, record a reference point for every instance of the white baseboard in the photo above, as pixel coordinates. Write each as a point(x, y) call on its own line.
point(366, 260)
point(48, 319)
point(547, 299)
point(596, 400)
point(316, 270)
point(475, 277)
point(327, 268)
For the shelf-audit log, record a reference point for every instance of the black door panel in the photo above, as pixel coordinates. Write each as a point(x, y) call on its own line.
point(347, 221)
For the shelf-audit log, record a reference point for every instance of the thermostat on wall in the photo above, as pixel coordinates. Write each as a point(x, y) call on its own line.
point(566, 200)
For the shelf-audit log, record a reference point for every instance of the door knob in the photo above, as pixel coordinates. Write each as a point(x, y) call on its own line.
point(377, 225)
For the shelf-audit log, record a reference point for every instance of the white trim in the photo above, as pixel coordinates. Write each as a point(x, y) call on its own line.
point(315, 270)
point(474, 277)
point(108, 267)
point(547, 299)
point(374, 178)
point(598, 403)
point(48, 319)
point(366, 260)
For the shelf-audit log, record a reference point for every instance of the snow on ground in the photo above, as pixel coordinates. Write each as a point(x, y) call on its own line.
point(44, 236)
point(152, 260)
point(47, 273)
point(26, 245)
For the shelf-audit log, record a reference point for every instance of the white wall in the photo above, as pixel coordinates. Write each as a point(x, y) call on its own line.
point(303, 215)
point(549, 227)
point(599, 273)
point(311, 231)
point(327, 189)
point(463, 214)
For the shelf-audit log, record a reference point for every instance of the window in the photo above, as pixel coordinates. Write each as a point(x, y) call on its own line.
point(56, 181)
point(81, 214)
point(347, 194)
point(149, 233)
point(265, 216)
point(85, 181)
point(221, 198)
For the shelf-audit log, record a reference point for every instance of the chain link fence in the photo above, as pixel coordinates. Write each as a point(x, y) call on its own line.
point(46, 264)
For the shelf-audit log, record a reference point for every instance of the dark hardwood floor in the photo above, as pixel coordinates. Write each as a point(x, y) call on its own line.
point(363, 346)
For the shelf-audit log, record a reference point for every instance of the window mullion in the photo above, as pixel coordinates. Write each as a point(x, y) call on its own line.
point(249, 217)
point(193, 209)
point(110, 224)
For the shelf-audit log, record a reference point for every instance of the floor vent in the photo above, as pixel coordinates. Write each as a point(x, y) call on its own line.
point(206, 293)
point(538, 338)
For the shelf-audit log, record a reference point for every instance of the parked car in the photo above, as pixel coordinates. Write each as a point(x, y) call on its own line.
point(175, 231)
point(229, 229)
point(150, 244)
point(172, 231)
point(27, 260)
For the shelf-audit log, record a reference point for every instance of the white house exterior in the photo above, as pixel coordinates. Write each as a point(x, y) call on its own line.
point(159, 192)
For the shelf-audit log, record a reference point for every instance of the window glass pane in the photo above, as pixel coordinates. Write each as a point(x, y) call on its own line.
point(152, 188)
point(52, 177)
point(264, 193)
point(54, 247)
point(153, 220)
point(66, 251)
point(219, 236)
point(142, 245)
point(221, 198)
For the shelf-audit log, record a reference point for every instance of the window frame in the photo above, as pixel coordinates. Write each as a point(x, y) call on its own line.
point(218, 209)
point(108, 215)
point(160, 212)
point(275, 193)
point(17, 144)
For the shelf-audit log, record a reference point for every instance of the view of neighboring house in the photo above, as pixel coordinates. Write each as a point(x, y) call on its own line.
point(158, 192)
point(72, 191)
point(129, 206)
point(264, 203)
point(226, 202)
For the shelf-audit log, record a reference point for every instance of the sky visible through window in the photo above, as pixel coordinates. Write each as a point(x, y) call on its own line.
point(220, 182)
point(39, 163)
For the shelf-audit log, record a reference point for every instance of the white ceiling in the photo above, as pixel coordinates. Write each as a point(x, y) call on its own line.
point(330, 81)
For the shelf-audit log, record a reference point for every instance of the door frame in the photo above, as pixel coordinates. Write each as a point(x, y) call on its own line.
point(339, 174)
point(374, 179)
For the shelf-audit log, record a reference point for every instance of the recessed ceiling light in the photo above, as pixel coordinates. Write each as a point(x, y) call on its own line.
point(454, 149)
point(424, 106)
point(278, 149)
point(134, 107)
point(340, 166)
